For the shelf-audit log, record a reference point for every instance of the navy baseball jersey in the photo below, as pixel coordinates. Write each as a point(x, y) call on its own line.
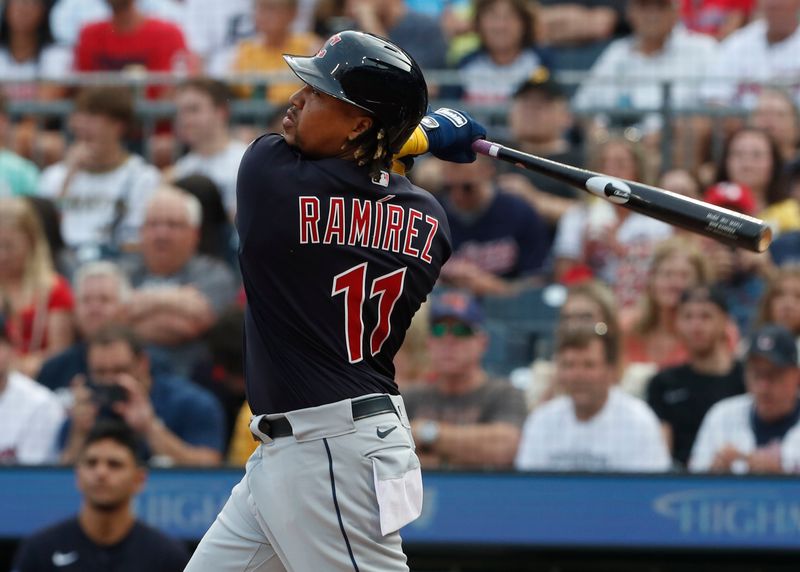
point(334, 266)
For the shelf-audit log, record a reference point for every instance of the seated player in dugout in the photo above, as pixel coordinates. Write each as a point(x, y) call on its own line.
point(337, 254)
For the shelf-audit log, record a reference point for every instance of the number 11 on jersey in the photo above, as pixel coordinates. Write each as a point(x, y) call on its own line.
point(352, 283)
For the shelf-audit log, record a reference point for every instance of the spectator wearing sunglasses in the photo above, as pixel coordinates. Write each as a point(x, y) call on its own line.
point(463, 419)
point(499, 240)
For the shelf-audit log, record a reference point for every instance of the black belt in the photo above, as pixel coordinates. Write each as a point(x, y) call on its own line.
point(366, 407)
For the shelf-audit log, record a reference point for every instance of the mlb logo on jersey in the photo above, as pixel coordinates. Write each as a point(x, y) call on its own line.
point(382, 179)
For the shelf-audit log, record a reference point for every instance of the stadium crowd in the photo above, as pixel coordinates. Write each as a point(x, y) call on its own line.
point(121, 295)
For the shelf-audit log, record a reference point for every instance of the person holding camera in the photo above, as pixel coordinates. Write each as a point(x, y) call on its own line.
point(177, 422)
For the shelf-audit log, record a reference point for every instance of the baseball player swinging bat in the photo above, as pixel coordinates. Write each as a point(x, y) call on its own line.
point(724, 225)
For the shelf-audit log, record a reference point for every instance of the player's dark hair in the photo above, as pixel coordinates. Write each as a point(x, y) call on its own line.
point(114, 333)
point(110, 101)
point(117, 431)
point(569, 336)
point(218, 92)
point(776, 189)
point(370, 149)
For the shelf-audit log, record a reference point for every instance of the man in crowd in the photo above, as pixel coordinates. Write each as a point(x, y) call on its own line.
point(682, 395)
point(465, 418)
point(744, 433)
point(539, 119)
point(497, 238)
point(100, 187)
point(30, 414)
point(131, 40)
point(178, 292)
point(202, 124)
point(763, 51)
point(178, 423)
point(101, 293)
point(595, 426)
point(105, 534)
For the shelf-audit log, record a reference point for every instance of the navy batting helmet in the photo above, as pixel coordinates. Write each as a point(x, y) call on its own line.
point(373, 74)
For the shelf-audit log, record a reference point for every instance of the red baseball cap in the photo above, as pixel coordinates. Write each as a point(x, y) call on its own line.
point(731, 196)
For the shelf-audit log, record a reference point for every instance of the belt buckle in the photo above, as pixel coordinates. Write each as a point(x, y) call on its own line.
point(262, 427)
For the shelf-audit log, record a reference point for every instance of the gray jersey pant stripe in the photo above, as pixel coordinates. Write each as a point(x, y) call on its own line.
point(336, 504)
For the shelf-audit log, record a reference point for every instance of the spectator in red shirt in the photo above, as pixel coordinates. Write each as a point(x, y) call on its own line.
point(131, 41)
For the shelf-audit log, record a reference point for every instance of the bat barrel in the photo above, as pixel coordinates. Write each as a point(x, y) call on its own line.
point(724, 225)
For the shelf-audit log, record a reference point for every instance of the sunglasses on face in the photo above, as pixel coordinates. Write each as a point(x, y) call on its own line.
point(456, 329)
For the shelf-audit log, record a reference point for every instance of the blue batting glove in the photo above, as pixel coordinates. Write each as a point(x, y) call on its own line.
point(451, 133)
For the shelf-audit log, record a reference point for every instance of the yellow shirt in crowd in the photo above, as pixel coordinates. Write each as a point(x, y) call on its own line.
point(254, 56)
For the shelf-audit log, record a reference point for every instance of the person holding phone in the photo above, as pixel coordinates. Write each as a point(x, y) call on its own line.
point(177, 422)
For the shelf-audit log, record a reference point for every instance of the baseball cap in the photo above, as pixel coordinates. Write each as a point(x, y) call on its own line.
point(541, 79)
point(774, 343)
point(731, 196)
point(457, 305)
point(705, 294)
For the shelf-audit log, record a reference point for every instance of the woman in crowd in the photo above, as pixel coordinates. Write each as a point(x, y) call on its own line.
point(781, 301)
point(507, 52)
point(609, 241)
point(649, 328)
point(38, 300)
point(27, 51)
point(777, 114)
point(752, 158)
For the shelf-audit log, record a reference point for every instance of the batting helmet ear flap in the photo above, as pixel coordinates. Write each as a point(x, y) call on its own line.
point(371, 73)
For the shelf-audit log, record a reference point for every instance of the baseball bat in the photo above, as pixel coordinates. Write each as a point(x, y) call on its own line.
point(724, 225)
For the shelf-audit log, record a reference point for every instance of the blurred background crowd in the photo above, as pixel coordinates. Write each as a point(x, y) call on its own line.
point(566, 333)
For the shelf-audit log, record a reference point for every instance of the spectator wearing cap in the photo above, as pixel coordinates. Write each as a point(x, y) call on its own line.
point(539, 119)
point(30, 414)
point(464, 418)
point(681, 395)
point(744, 433)
point(595, 426)
point(499, 240)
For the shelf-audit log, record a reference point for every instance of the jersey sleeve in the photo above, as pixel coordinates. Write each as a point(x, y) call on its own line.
point(85, 49)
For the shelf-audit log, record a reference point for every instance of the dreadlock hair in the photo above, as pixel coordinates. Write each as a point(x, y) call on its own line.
point(372, 148)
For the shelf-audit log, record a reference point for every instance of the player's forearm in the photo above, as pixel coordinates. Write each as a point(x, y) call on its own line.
point(164, 442)
point(478, 445)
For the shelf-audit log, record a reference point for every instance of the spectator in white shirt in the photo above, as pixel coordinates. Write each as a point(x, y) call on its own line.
point(630, 72)
point(595, 426)
point(745, 433)
point(761, 52)
point(202, 124)
point(30, 414)
point(100, 187)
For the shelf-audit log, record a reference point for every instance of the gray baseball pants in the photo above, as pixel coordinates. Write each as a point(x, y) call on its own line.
point(330, 498)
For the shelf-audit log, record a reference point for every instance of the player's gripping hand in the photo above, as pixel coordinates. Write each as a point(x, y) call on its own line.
point(447, 133)
point(451, 133)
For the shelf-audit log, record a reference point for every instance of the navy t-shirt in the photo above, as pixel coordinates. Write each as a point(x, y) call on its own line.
point(508, 239)
point(64, 547)
point(334, 265)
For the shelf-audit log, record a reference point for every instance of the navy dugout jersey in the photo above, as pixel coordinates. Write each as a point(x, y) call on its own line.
point(334, 265)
